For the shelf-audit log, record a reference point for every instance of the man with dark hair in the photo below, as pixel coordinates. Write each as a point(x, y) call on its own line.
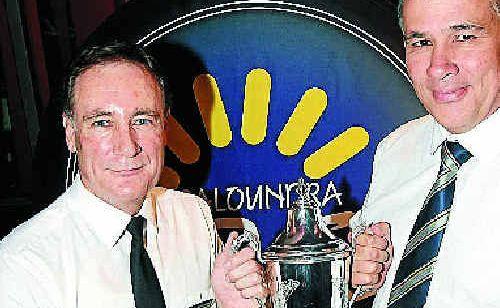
point(111, 52)
point(113, 239)
point(435, 186)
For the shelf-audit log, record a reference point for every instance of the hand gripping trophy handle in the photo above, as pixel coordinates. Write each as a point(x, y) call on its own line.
point(250, 238)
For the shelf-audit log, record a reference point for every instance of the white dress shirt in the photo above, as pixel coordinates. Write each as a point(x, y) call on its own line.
point(76, 253)
point(405, 167)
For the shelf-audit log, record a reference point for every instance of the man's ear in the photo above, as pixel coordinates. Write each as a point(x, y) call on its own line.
point(69, 128)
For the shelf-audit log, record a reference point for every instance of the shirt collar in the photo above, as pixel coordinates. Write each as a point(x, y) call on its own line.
point(107, 222)
point(439, 134)
point(480, 141)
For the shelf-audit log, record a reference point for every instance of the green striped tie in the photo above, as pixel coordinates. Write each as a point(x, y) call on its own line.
point(414, 273)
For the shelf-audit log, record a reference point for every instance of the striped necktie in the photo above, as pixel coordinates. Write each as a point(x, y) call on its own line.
point(414, 273)
point(145, 283)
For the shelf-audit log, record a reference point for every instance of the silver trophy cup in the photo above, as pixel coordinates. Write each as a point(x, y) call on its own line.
point(306, 266)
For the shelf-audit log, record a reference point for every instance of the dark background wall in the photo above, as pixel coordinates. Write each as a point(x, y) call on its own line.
point(38, 38)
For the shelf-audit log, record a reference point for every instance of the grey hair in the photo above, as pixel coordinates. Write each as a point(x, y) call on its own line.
point(495, 6)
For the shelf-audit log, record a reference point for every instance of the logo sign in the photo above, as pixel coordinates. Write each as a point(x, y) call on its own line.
point(266, 92)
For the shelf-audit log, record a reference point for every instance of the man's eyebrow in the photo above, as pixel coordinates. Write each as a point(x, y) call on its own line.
point(149, 112)
point(96, 113)
point(459, 27)
point(466, 26)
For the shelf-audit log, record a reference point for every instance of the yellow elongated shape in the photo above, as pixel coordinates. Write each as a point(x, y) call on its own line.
point(212, 110)
point(336, 152)
point(300, 124)
point(256, 106)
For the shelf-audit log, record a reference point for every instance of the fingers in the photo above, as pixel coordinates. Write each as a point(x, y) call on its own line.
point(241, 274)
point(367, 267)
point(240, 258)
point(366, 272)
point(365, 279)
point(248, 281)
point(257, 291)
point(374, 241)
point(382, 229)
point(242, 270)
point(373, 256)
point(367, 253)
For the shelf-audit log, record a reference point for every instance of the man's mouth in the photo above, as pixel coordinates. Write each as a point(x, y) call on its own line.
point(126, 171)
point(449, 95)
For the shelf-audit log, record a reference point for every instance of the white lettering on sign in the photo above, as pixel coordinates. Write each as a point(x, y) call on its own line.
point(264, 196)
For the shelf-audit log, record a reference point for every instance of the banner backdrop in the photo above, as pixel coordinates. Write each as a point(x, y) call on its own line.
point(266, 92)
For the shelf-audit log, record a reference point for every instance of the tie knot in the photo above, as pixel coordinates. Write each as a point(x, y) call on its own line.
point(459, 153)
point(135, 227)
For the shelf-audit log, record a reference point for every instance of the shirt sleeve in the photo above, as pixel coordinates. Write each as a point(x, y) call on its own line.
point(356, 220)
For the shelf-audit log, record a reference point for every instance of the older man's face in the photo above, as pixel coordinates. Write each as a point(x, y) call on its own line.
point(452, 55)
point(118, 132)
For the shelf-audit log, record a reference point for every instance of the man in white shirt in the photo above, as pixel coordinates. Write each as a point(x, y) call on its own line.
point(452, 55)
point(112, 239)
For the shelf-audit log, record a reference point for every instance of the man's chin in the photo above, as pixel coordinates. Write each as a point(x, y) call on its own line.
point(126, 193)
point(455, 117)
point(456, 125)
point(137, 191)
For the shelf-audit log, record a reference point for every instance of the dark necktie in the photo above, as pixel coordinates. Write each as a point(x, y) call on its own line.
point(414, 273)
point(145, 284)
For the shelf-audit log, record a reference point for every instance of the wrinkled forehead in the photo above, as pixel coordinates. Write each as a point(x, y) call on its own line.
point(494, 4)
point(448, 13)
point(114, 66)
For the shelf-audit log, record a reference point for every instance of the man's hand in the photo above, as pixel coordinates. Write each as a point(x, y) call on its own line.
point(237, 277)
point(373, 256)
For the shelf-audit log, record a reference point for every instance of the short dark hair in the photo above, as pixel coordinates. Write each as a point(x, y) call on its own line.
point(110, 52)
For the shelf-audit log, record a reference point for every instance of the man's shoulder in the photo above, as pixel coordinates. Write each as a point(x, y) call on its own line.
point(412, 133)
point(179, 205)
point(35, 233)
point(175, 198)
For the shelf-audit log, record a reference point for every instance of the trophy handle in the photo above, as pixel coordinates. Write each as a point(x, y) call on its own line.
point(249, 238)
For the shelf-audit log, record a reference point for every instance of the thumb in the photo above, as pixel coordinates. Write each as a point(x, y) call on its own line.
point(382, 229)
point(227, 247)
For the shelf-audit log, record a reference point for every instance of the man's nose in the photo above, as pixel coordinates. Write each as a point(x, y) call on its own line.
point(125, 142)
point(442, 65)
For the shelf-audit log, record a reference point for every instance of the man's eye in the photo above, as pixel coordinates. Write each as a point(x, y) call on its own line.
point(416, 43)
point(465, 37)
point(101, 123)
point(142, 121)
